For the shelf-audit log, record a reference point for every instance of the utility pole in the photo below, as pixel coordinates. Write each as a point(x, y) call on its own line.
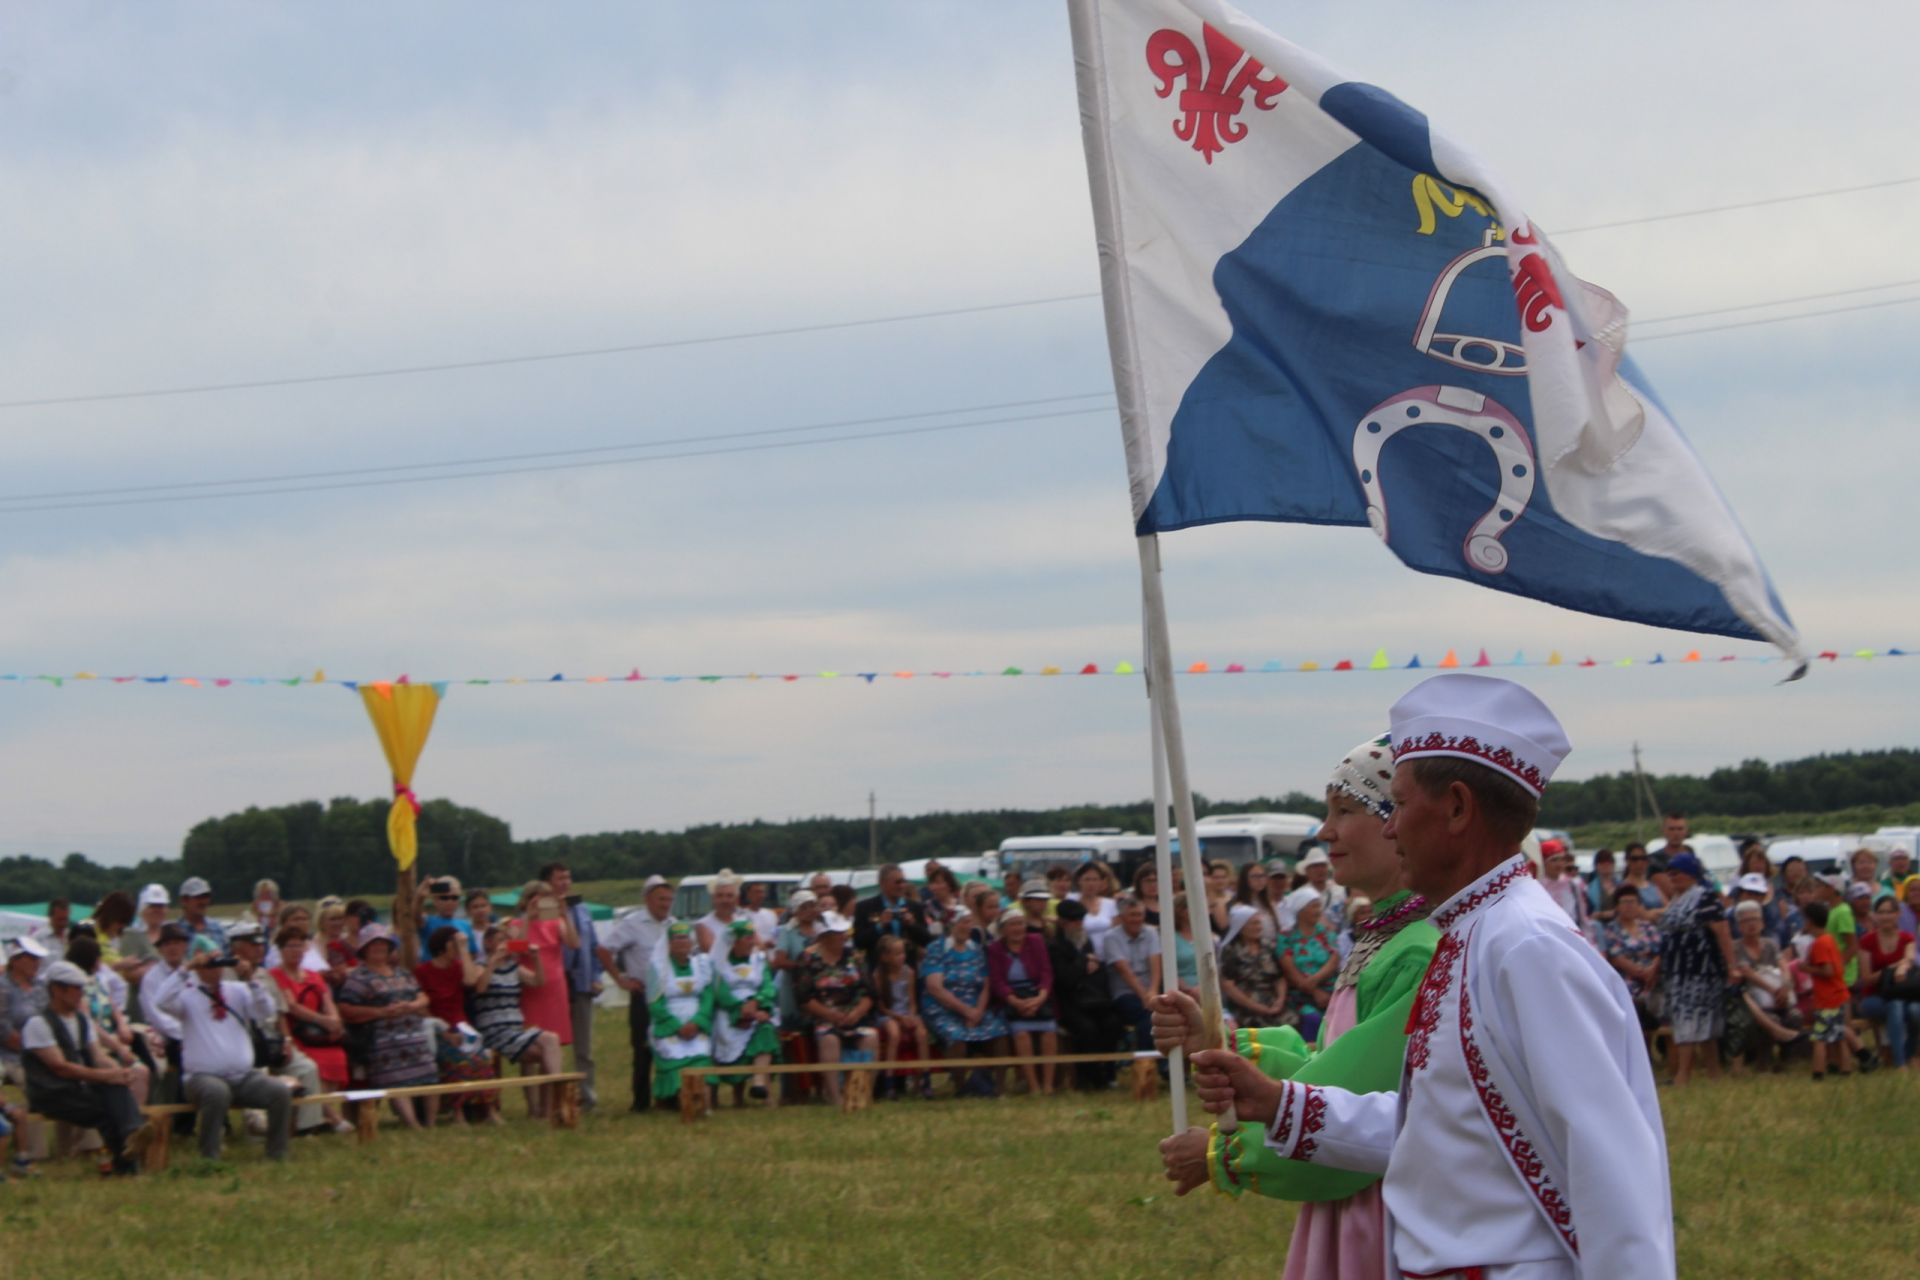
point(873, 831)
point(1642, 788)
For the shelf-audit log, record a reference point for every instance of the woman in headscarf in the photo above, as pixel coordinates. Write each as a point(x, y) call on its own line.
point(1250, 982)
point(1309, 957)
point(1341, 1230)
point(682, 1010)
point(746, 1025)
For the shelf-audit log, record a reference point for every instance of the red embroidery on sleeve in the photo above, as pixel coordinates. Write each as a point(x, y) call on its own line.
point(1313, 1118)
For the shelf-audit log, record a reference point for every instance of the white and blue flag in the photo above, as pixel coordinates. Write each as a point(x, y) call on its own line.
point(1321, 310)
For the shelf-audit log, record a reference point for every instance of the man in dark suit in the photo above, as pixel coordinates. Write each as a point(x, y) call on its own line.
point(894, 912)
point(1087, 1018)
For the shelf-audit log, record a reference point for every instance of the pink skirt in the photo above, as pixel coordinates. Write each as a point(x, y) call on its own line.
point(1340, 1239)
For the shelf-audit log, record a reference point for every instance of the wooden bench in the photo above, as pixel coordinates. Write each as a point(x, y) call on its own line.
point(366, 1108)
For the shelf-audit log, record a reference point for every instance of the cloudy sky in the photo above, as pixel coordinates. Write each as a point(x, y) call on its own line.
point(217, 193)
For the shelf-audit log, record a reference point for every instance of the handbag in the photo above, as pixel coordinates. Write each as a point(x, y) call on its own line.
point(311, 1033)
point(1908, 989)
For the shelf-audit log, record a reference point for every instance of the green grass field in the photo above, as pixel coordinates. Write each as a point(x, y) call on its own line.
point(1773, 1176)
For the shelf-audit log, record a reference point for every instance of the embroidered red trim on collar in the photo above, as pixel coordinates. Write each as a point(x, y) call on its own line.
point(1501, 758)
point(1446, 917)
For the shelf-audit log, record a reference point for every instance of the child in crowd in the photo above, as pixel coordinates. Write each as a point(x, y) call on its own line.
point(1829, 994)
point(896, 993)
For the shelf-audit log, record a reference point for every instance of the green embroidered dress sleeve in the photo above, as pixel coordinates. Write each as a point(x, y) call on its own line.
point(1365, 1059)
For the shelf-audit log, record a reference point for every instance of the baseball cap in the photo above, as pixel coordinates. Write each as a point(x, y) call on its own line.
point(741, 928)
point(655, 882)
point(1860, 889)
point(1752, 882)
point(1837, 883)
point(1317, 858)
point(245, 931)
point(66, 973)
point(801, 897)
point(195, 887)
point(1070, 911)
point(155, 895)
point(1038, 891)
point(833, 922)
point(25, 946)
point(174, 931)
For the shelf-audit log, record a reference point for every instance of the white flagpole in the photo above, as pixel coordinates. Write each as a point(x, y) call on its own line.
point(1166, 703)
point(1090, 76)
point(1163, 864)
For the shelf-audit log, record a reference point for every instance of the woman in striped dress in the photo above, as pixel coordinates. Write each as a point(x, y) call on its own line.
point(498, 1016)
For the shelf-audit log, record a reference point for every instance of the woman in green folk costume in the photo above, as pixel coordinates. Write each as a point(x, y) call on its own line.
point(682, 1010)
point(746, 1023)
point(1361, 1046)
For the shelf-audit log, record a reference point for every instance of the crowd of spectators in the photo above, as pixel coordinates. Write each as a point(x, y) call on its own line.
point(145, 1003)
point(946, 972)
point(1774, 962)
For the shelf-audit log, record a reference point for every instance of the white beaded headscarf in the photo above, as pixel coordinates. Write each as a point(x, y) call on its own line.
point(1364, 776)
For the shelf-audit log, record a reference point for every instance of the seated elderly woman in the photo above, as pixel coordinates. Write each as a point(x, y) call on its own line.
point(394, 1048)
point(956, 1000)
point(1309, 959)
point(1021, 977)
point(681, 1001)
point(833, 994)
point(1251, 984)
point(1764, 1012)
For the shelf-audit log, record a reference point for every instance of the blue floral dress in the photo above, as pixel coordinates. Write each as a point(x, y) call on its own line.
point(965, 975)
point(1309, 952)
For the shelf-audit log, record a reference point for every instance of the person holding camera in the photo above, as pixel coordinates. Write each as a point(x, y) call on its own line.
point(542, 921)
point(274, 1049)
point(216, 1014)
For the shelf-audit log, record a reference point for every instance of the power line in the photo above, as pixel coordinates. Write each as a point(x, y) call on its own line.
point(1749, 324)
point(561, 466)
point(490, 362)
point(1744, 204)
point(1782, 302)
point(173, 492)
point(301, 476)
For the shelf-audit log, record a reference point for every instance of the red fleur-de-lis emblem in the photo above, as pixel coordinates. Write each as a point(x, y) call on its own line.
point(1215, 87)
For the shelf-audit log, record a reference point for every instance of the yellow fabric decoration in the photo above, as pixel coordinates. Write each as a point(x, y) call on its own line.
point(402, 715)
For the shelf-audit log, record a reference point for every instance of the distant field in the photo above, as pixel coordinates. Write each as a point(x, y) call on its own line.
point(1773, 1177)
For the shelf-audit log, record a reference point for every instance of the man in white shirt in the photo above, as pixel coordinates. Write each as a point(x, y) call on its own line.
point(216, 1050)
point(628, 956)
point(69, 1076)
point(250, 950)
point(1525, 1140)
point(1131, 952)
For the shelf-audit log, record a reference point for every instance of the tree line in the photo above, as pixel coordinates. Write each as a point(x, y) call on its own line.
point(341, 847)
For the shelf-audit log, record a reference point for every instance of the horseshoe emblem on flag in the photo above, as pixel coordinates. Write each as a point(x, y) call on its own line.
point(1443, 406)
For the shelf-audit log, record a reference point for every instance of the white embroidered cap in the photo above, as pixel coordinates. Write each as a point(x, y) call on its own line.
point(1492, 722)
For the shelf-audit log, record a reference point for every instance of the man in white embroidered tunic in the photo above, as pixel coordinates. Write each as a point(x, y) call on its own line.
point(1525, 1140)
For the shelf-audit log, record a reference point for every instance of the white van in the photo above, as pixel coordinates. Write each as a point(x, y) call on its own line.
point(1822, 854)
point(1893, 839)
point(694, 896)
point(1032, 855)
point(1241, 838)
